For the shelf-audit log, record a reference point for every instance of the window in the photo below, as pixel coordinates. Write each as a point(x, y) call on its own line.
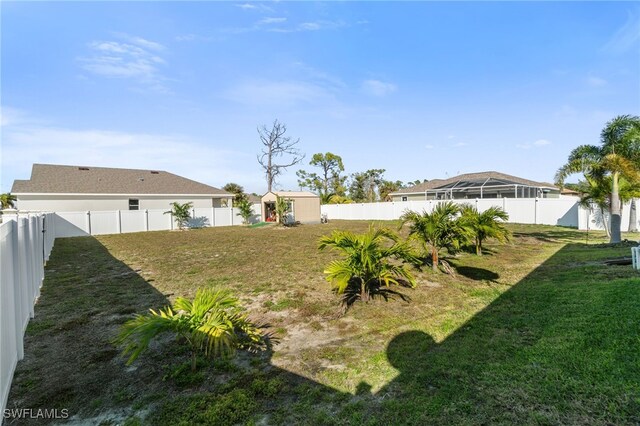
point(405, 198)
point(134, 204)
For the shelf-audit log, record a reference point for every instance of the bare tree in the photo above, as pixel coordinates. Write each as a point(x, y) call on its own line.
point(276, 144)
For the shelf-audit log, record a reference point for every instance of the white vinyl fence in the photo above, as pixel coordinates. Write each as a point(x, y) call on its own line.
point(25, 245)
point(543, 211)
point(77, 224)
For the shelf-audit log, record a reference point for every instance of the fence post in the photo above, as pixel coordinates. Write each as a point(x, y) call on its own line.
point(231, 215)
point(89, 222)
point(213, 216)
point(119, 221)
point(33, 246)
point(535, 212)
point(146, 219)
point(19, 293)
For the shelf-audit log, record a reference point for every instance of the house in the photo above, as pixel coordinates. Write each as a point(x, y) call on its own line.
point(477, 185)
point(79, 188)
point(304, 206)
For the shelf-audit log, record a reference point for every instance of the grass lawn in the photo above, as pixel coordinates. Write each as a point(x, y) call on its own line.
point(538, 331)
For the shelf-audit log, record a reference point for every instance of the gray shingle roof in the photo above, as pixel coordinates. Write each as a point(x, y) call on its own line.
point(478, 178)
point(55, 179)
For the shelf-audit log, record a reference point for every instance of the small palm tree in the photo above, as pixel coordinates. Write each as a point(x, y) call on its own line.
point(246, 209)
point(213, 323)
point(368, 264)
point(181, 213)
point(283, 208)
point(437, 230)
point(7, 201)
point(488, 224)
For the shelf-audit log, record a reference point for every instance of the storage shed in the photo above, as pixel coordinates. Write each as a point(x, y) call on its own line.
point(304, 206)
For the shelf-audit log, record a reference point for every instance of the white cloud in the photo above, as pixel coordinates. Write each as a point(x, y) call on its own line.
point(279, 93)
point(193, 37)
point(10, 116)
point(147, 44)
point(321, 25)
point(627, 37)
point(271, 25)
point(535, 144)
point(268, 21)
point(593, 81)
point(138, 59)
point(378, 88)
point(310, 26)
point(254, 7)
point(460, 144)
point(429, 146)
point(566, 111)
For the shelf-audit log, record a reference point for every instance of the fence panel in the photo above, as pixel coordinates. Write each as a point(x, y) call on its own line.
point(158, 221)
point(201, 217)
point(549, 211)
point(133, 221)
point(8, 323)
point(222, 216)
point(72, 224)
point(25, 244)
point(107, 222)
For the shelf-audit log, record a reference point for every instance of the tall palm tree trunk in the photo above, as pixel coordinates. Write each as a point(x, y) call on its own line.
point(633, 218)
point(616, 210)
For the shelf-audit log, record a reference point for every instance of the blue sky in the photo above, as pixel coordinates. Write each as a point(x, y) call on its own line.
point(421, 89)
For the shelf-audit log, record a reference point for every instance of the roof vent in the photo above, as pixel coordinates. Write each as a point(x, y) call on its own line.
point(83, 168)
point(155, 172)
point(140, 179)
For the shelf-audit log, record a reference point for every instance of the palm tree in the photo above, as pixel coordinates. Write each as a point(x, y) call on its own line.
point(213, 324)
point(617, 156)
point(246, 209)
point(368, 264)
point(283, 208)
point(437, 230)
point(181, 213)
point(488, 224)
point(596, 193)
point(7, 201)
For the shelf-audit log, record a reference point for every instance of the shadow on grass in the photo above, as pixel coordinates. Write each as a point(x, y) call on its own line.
point(475, 273)
point(69, 361)
point(560, 347)
point(375, 290)
point(557, 351)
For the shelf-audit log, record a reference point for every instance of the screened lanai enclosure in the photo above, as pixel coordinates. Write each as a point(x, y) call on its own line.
point(477, 185)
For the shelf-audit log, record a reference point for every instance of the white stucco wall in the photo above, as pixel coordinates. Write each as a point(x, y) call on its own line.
point(70, 203)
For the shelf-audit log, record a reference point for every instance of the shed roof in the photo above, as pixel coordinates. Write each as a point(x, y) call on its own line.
point(471, 180)
point(56, 179)
point(294, 194)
